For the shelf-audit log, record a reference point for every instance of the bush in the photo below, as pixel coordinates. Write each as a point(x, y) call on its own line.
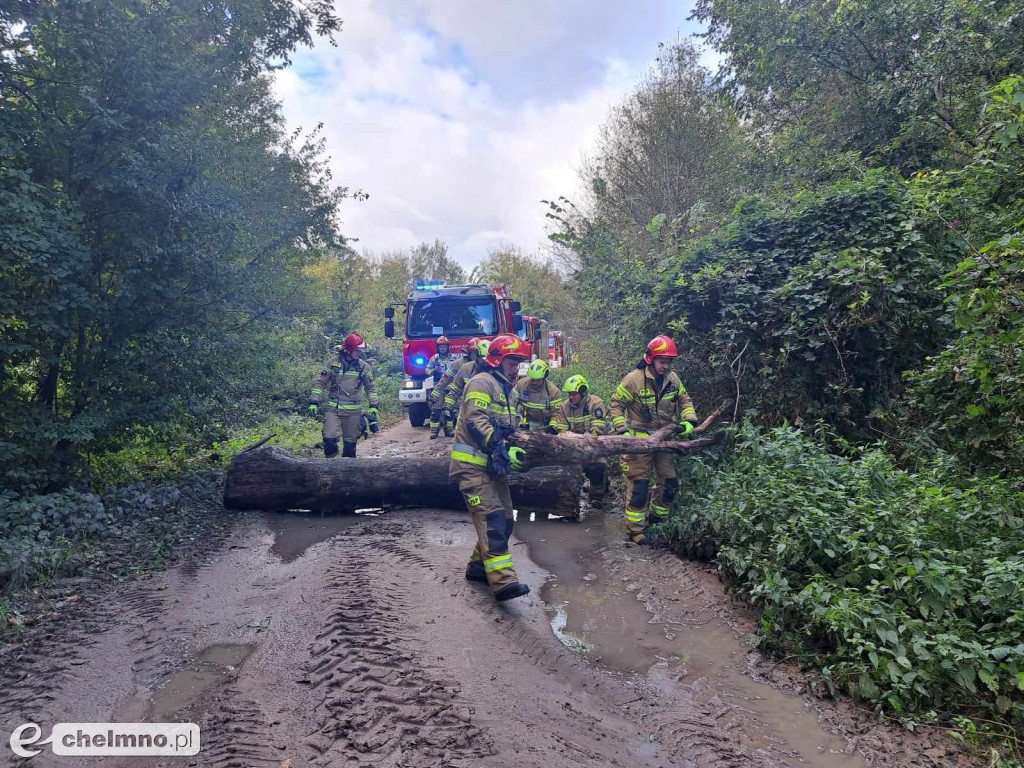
point(906, 587)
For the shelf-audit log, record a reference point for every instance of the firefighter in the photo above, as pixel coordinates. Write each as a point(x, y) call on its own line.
point(649, 397)
point(537, 399)
point(585, 414)
point(438, 367)
point(343, 384)
point(481, 461)
point(469, 369)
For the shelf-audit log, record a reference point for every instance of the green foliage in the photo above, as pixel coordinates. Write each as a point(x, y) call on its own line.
point(811, 310)
point(156, 218)
point(907, 587)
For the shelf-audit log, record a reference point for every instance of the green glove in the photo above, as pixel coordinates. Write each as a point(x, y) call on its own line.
point(373, 411)
point(312, 409)
point(516, 456)
point(686, 428)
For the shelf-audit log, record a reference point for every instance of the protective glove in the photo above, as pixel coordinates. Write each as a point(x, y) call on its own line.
point(364, 426)
point(373, 423)
point(621, 430)
point(312, 409)
point(516, 456)
point(686, 428)
point(551, 431)
point(373, 411)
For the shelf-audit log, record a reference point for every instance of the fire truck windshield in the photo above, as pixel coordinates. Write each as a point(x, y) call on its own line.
point(451, 317)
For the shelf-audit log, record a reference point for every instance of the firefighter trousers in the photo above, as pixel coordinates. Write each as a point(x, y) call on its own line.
point(342, 425)
point(489, 501)
point(641, 498)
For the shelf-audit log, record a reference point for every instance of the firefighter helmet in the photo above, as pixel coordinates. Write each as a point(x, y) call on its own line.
point(504, 346)
point(353, 342)
point(471, 345)
point(575, 384)
point(482, 346)
point(442, 340)
point(538, 369)
point(660, 346)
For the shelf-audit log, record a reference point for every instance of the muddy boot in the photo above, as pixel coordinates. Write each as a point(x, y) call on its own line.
point(449, 431)
point(637, 538)
point(512, 591)
point(475, 572)
point(433, 432)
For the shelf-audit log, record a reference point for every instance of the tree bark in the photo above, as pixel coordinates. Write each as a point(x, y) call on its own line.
point(273, 479)
point(568, 448)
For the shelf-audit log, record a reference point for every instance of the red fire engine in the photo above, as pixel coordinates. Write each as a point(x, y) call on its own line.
point(456, 311)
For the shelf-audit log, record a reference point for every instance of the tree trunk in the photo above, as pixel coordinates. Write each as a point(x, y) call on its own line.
point(568, 448)
point(273, 479)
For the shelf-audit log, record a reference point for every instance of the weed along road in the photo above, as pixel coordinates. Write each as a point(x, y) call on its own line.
point(355, 640)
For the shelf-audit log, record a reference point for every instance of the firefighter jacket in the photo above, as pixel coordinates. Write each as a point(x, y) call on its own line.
point(536, 405)
point(487, 405)
point(589, 417)
point(467, 371)
point(644, 401)
point(341, 385)
point(441, 387)
point(438, 365)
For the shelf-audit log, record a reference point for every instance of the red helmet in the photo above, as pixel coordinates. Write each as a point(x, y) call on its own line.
point(353, 342)
point(660, 346)
point(471, 345)
point(507, 345)
point(442, 340)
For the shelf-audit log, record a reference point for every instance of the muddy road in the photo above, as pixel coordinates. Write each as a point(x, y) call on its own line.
point(355, 640)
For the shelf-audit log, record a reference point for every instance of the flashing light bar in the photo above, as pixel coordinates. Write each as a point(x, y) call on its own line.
point(430, 286)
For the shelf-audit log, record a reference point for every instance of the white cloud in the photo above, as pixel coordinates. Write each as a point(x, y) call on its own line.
point(458, 118)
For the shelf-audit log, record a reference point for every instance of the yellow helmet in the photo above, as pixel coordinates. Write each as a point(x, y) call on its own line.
point(538, 369)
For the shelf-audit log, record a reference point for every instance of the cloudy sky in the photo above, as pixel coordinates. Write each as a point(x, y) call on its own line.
point(458, 116)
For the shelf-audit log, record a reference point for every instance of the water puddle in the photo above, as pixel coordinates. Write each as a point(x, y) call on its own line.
point(187, 687)
point(294, 533)
point(600, 613)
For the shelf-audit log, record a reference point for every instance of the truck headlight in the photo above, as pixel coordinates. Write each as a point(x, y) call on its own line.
point(408, 384)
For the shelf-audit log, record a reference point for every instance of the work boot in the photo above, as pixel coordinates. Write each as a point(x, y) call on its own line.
point(511, 592)
point(433, 432)
point(637, 538)
point(475, 572)
point(448, 431)
point(597, 502)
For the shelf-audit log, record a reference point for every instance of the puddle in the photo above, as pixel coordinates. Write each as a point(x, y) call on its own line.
point(186, 687)
point(600, 614)
point(294, 533)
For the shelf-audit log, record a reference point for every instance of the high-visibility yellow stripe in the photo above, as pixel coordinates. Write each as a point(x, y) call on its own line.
point(635, 517)
point(687, 413)
point(346, 406)
point(659, 510)
point(498, 563)
point(622, 392)
point(618, 421)
point(469, 458)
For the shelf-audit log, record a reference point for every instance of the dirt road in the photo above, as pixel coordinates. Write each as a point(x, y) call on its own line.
point(356, 641)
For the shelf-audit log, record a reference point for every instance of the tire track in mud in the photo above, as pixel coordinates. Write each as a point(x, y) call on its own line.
point(381, 704)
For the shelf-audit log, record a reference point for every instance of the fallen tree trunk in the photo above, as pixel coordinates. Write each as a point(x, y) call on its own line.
point(568, 448)
point(273, 479)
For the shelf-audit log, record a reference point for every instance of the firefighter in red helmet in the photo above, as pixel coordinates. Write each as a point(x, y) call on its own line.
point(339, 390)
point(649, 397)
point(482, 459)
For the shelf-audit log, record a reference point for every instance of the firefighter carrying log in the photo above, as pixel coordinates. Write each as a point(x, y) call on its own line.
point(537, 399)
point(342, 385)
point(650, 397)
point(441, 367)
point(585, 414)
point(482, 459)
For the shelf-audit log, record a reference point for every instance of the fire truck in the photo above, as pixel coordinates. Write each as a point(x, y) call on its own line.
point(456, 311)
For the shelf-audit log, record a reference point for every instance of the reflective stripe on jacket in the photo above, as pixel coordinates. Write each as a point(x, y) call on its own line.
point(537, 404)
point(341, 385)
point(590, 416)
point(644, 401)
point(485, 406)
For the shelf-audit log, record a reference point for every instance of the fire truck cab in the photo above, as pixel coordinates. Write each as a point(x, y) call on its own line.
point(458, 312)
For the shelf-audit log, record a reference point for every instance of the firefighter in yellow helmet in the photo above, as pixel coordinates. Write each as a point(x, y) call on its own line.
point(650, 397)
point(482, 460)
point(342, 385)
point(537, 399)
point(585, 414)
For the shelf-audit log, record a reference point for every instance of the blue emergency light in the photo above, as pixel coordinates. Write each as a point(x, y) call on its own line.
point(430, 286)
point(419, 360)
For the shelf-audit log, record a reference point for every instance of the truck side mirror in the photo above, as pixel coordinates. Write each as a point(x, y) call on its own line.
point(389, 327)
point(389, 312)
point(515, 306)
point(517, 323)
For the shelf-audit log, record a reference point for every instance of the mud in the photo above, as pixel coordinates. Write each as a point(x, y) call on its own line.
point(356, 641)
